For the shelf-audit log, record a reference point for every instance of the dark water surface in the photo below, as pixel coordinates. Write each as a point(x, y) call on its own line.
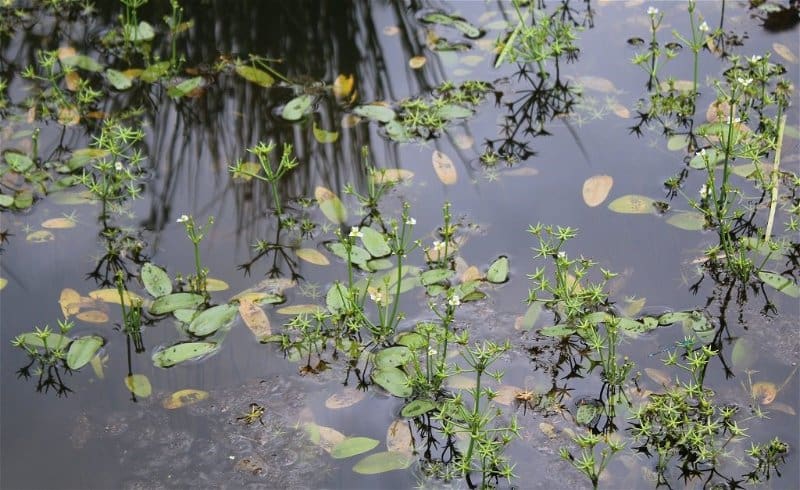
point(100, 436)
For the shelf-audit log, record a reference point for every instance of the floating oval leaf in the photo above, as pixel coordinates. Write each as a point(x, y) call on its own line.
point(54, 340)
point(453, 111)
point(299, 309)
point(322, 436)
point(412, 340)
point(323, 136)
point(398, 437)
point(444, 168)
point(69, 301)
point(118, 80)
point(557, 331)
point(632, 204)
point(498, 271)
point(687, 220)
point(374, 242)
point(92, 316)
point(343, 86)
point(674, 317)
point(255, 75)
point(782, 283)
point(175, 301)
point(40, 236)
point(336, 297)
point(596, 189)
point(392, 380)
point(212, 320)
point(417, 62)
point(417, 407)
point(185, 316)
point(375, 112)
point(216, 284)
point(298, 107)
point(155, 71)
point(59, 223)
point(382, 462)
point(784, 52)
point(82, 350)
point(528, 320)
point(181, 398)
point(393, 356)
point(255, 318)
point(112, 296)
point(139, 385)
point(330, 205)
point(312, 256)
point(658, 376)
point(357, 254)
point(155, 280)
point(17, 161)
point(347, 398)
point(588, 411)
point(352, 446)
point(435, 276)
point(678, 142)
point(182, 352)
point(386, 175)
point(185, 88)
point(83, 62)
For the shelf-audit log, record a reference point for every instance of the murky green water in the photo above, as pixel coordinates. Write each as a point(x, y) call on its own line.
point(84, 430)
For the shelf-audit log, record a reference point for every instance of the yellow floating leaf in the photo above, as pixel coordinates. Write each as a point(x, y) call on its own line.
point(69, 116)
point(350, 121)
point(3, 283)
point(444, 168)
point(620, 110)
point(633, 204)
point(386, 175)
point(324, 136)
point(72, 79)
point(347, 398)
point(464, 141)
point(718, 110)
point(417, 62)
point(216, 285)
point(112, 296)
point(133, 73)
point(312, 256)
point(764, 392)
point(596, 189)
point(92, 316)
point(343, 86)
point(330, 205)
point(255, 318)
point(658, 376)
point(139, 385)
point(59, 223)
point(69, 301)
point(40, 236)
point(299, 309)
point(65, 52)
point(322, 436)
point(471, 274)
point(181, 398)
point(98, 364)
point(598, 84)
point(398, 437)
point(784, 52)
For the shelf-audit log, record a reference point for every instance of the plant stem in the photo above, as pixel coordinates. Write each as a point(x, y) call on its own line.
point(775, 181)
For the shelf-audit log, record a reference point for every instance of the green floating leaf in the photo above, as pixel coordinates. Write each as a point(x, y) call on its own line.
point(185, 87)
point(353, 446)
point(633, 204)
point(185, 316)
point(82, 350)
point(139, 385)
point(678, 142)
point(438, 18)
point(393, 357)
point(142, 33)
point(330, 205)
point(698, 325)
point(453, 111)
point(498, 271)
point(374, 242)
point(155, 280)
point(255, 75)
point(336, 297)
point(557, 331)
point(782, 283)
point(54, 340)
point(118, 80)
point(435, 276)
point(323, 136)
point(397, 132)
point(182, 352)
point(17, 161)
point(6, 201)
point(298, 107)
point(176, 301)
point(528, 320)
point(473, 296)
point(710, 156)
point(687, 220)
point(375, 112)
point(213, 319)
point(674, 317)
point(83, 62)
point(393, 380)
point(743, 354)
point(588, 412)
point(382, 462)
point(412, 340)
point(379, 264)
point(358, 255)
point(467, 29)
point(155, 71)
point(416, 408)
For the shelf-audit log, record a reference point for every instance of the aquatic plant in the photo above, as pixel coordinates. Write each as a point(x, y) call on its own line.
point(263, 152)
point(195, 233)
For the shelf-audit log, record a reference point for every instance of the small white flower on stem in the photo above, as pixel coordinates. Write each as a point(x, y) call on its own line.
point(411, 221)
point(182, 219)
point(432, 351)
point(704, 191)
point(118, 166)
point(376, 296)
point(437, 245)
point(454, 301)
point(744, 81)
point(354, 232)
point(755, 58)
point(703, 27)
point(652, 11)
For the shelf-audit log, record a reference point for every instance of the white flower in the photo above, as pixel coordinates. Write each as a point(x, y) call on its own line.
point(744, 81)
point(562, 255)
point(182, 219)
point(652, 11)
point(703, 27)
point(704, 191)
point(432, 351)
point(454, 301)
point(376, 296)
point(355, 233)
point(437, 245)
point(755, 58)
point(118, 166)
point(411, 221)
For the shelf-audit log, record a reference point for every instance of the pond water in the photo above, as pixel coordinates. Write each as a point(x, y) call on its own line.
point(557, 142)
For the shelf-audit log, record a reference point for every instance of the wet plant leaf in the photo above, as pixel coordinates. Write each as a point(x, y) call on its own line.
point(712, 155)
point(323, 136)
point(417, 62)
point(139, 385)
point(587, 413)
point(444, 168)
point(112, 296)
point(633, 306)
point(92, 316)
point(141, 33)
point(98, 363)
point(498, 271)
point(54, 341)
point(392, 380)
point(40, 236)
point(557, 331)
point(178, 353)
point(386, 175)
point(82, 62)
point(17, 161)
point(415, 408)
point(185, 316)
point(658, 376)
point(782, 283)
point(764, 392)
point(674, 317)
point(393, 357)
point(784, 52)
point(375, 112)
point(299, 309)
point(596, 189)
point(154, 72)
point(379, 264)
point(398, 437)
point(212, 319)
point(59, 223)
point(330, 205)
point(175, 301)
point(185, 88)
point(298, 107)
point(412, 340)
point(358, 255)
point(255, 318)
point(184, 397)
point(118, 80)
point(435, 276)
point(353, 446)
point(155, 280)
point(374, 242)
point(6, 201)
point(69, 301)
point(336, 297)
point(453, 111)
point(255, 75)
point(82, 350)
point(687, 220)
point(633, 204)
point(324, 437)
point(678, 142)
point(743, 355)
point(343, 86)
point(528, 320)
point(312, 256)
point(382, 462)
point(347, 398)
point(216, 285)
